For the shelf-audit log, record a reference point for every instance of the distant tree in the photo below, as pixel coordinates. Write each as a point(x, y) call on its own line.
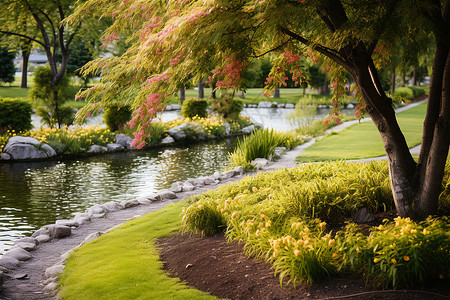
point(79, 55)
point(7, 69)
point(352, 36)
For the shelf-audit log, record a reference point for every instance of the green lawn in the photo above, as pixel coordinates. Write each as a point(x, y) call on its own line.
point(124, 263)
point(363, 140)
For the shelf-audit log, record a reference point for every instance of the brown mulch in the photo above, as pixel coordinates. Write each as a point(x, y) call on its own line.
point(221, 269)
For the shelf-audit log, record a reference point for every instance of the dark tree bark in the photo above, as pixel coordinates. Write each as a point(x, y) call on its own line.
point(392, 80)
point(182, 94)
point(24, 68)
point(415, 186)
point(201, 89)
point(276, 93)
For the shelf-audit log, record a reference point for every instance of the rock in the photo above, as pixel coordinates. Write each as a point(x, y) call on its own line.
point(144, 201)
point(43, 238)
point(40, 231)
point(227, 175)
point(274, 104)
point(51, 287)
point(9, 262)
point(264, 104)
point(130, 203)
point(92, 236)
point(112, 206)
point(26, 239)
point(123, 140)
point(97, 149)
point(81, 218)
point(196, 182)
point(69, 223)
point(176, 107)
point(18, 253)
point(187, 187)
point(167, 140)
point(21, 147)
point(217, 175)
point(21, 276)
point(227, 128)
point(95, 210)
point(177, 187)
point(166, 195)
point(54, 270)
point(114, 147)
point(26, 246)
point(279, 151)
point(59, 231)
point(350, 105)
point(210, 181)
point(239, 170)
point(363, 216)
point(2, 279)
point(248, 129)
point(281, 105)
point(259, 163)
point(96, 216)
point(5, 156)
point(289, 105)
point(179, 133)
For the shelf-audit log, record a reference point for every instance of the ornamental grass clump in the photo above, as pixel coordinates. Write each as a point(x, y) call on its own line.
point(287, 216)
point(260, 144)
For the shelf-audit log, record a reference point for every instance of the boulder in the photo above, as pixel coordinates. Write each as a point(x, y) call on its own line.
point(2, 279)
point(130, 203)
point(259, 163)
point(22, 147)
point(59, 231)
point(248, 129)
point(40, 231)
point(189, 130)
point(239, 170)
point(54, 271)
point(167, 140)
point(227, 175)
point(51, 287)
point(26, 239)
point(279, 151)
point(281, 105)
point(176, 106)
point(93, 236)
point(187, 187)
point(69, 223)
point(43, 238)
point(264, 104)
point(26, 246)
point(209, 181)
point(9, 262)
point(289, 105)
point(123, 140)
point(18, 253)
point(350, 105)
point(115, 147)
point(166, 195)
point(196, 181)
point(95, 210)
point(363, 216)
point(97, 149)
point(5, 156)
point(112, 206)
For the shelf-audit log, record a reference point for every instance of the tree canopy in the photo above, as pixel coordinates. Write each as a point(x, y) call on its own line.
point(171, 41)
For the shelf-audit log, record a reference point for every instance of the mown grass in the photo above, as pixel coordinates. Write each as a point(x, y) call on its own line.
point(363, 140)
point(124, 263)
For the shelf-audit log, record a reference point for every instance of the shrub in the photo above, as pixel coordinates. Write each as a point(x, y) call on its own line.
point(194, 107)
point(227, 107)
point(157, 131)
point(260, 144)
point(116, 116)
point(50, 98)
point(286, 217)
point(417, 90)
point(404, 92)
point(15, 114)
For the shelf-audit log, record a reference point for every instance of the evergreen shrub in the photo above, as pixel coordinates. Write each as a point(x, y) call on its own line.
point(227, 107)
point(194, 107)
point(15, 114)
point(116, 115)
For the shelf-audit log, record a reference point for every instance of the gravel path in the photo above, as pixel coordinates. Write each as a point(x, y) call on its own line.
point(49, 254)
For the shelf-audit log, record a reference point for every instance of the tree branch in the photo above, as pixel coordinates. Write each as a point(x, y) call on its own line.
point(273, 49)
point(22, 36)
point(330, 53)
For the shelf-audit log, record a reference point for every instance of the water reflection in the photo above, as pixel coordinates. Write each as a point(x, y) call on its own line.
point(38, 193)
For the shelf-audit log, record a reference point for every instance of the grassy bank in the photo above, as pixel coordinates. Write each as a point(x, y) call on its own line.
point(363, 140)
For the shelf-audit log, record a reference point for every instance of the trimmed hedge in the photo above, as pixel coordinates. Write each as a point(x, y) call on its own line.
point(194, 107)
point(15, 114)
point(409, 92)
point(116, 116)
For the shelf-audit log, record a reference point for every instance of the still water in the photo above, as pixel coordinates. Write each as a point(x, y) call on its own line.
point(38, 193)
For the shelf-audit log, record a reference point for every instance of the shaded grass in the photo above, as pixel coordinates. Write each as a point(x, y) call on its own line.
point(124, 263)
point(363, 140)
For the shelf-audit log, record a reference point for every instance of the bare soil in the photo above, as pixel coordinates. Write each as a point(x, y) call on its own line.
point(212, 265)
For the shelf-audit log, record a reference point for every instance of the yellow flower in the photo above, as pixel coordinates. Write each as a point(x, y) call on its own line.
point(406, 258)
point(297, 252)
point(322, 225)
point(375, 260)
point(258, 233)
point(254, 189)
point(268, 223)
point(394, 261)
point(335, 255)
point(250, 223)
point(200, 206)
point(331, 242)
point(233, 215)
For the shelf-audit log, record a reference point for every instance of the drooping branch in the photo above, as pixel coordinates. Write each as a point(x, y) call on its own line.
point(23, 36)
point(330, 53)
point(273, 49)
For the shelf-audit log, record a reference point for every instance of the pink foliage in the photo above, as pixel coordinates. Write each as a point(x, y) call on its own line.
point(229, 76)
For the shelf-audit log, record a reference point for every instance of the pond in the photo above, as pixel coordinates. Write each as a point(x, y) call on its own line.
point(38, 193)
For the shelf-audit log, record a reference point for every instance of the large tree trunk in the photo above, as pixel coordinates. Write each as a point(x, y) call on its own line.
point(201, 89)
